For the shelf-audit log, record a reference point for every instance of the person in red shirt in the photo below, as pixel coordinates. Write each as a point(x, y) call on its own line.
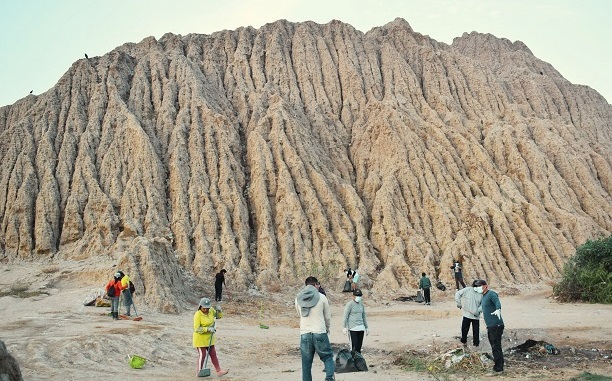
point(113, 291)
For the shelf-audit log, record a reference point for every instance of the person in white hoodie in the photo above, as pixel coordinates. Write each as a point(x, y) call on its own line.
point(469, 301)
point(315, 322)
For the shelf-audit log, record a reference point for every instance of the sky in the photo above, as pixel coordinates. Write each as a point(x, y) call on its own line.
point(41, 39)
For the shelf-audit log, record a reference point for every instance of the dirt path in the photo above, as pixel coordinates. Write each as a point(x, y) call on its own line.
point(53, 336)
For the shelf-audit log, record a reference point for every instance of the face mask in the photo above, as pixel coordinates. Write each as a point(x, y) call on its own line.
point(478, 289)
point(358, 299)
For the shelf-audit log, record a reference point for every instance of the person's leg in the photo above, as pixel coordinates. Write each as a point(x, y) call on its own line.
point(307, 350)
point(356, 340)
point(326, 354)
point(476, 332)
point(127, 301)
point(217, 293)
point(212, 353)
point(115, 307)
point(457, 282)
point(462, 282)
point(201, 357)
point(495, 336)
point(465, 328)
point(427, 293)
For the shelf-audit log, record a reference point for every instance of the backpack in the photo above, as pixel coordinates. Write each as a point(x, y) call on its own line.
point(132, 288)
point(111, 291)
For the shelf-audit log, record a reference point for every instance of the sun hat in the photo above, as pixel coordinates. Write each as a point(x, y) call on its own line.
point(307, 298)
point(117, 275)
point(205, 302)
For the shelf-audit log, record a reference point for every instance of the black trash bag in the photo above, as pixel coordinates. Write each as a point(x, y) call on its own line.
point(360, 362)
point(347, 362)
point(347, 286)
point(441, 286)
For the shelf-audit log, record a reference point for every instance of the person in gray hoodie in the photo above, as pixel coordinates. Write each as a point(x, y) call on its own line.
point(468, 300)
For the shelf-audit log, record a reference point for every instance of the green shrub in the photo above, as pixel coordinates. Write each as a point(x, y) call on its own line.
point(588, 274)
point(586, 376)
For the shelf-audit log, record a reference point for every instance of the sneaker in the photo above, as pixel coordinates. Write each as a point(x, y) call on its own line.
point(222, 372)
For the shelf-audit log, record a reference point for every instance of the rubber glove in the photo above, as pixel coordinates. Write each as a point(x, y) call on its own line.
point(344, 331)
point(211, 329)
point(200, 330)
point(367, 332)
point(497, 313)
point(459, 306)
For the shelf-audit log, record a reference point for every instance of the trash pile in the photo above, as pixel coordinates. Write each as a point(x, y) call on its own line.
point(535, 347)
point(462, 359)
point(96, 298)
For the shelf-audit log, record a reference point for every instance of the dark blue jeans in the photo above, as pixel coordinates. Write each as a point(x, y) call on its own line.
point(319, 343)
point(495, 339)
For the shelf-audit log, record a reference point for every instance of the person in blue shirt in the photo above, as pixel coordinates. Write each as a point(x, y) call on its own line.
point(490, 306)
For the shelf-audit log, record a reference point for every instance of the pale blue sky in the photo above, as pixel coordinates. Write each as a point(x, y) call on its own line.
point(40, 39)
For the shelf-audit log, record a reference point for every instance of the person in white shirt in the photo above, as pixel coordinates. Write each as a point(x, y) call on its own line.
point(315, 321)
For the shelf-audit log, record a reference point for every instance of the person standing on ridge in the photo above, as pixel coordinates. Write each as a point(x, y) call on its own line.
point(458, 270)
point(425, 285)
point(469, 300)
point(491, 309)
point(315, 322)
point(219, 283)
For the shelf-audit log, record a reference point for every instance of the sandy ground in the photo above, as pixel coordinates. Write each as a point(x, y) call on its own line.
point(54, 336)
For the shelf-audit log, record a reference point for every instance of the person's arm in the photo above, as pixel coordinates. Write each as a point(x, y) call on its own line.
point(298, 309)
point(496, 301)
point(197, 327)
point(365, 321)
point(458, 295)
point(327, 314)
point(345, 316)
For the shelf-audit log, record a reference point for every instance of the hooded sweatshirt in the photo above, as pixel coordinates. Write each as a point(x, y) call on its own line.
point(318, 317)
point(469, 301)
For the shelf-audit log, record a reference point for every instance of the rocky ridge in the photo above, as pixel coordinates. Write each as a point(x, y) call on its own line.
point(301, 148)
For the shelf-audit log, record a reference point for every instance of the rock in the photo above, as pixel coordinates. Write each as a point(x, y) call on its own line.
point(300, 147)
point(9, 367)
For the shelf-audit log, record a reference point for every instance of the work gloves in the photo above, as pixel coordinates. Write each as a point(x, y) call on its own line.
point(200, 330)
point(367, 332)
point(497, 313)
point(344, 331)
point(211, 329)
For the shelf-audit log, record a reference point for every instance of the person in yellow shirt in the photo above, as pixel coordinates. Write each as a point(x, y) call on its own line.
point(126, 293)
point(204, 328)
